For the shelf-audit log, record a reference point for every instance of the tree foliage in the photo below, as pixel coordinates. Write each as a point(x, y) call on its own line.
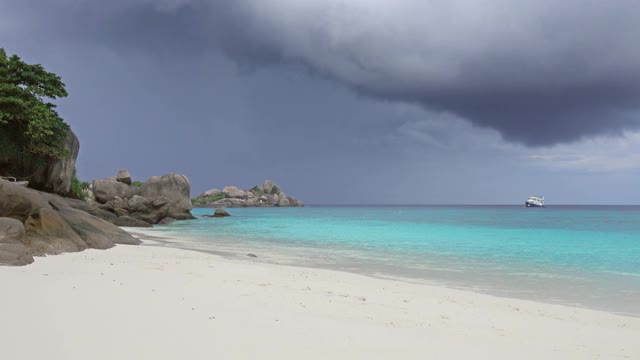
point(30, 127)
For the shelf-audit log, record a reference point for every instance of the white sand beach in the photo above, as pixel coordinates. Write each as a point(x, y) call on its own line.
point(147, 302)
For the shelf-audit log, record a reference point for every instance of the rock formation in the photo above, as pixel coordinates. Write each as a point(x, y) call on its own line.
point(159, 198)
point(107, 190)
point(13, 250)
point(123, 176)
point(55, 176)
point(269, 195)
point(219, 213)
point(34, 223)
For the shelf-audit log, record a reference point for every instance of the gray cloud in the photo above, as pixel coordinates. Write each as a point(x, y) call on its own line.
point(539, 72)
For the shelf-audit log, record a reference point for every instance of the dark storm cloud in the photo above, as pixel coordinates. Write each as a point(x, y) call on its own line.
point(539, 72)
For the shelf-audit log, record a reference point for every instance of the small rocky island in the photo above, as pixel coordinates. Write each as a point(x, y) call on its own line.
point(269, 195)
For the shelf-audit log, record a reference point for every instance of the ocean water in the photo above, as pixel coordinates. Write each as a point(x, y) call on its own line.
point(583, 256)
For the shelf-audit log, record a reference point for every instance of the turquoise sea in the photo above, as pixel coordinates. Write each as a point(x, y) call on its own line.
point(579, 255)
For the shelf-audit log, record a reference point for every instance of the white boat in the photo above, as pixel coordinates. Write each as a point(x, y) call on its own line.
point(534, 201)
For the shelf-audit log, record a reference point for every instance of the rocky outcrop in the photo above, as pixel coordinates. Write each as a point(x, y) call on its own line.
point(131, 222)
point(210, 193)
point(50, 224)
point(96, 232)
point(56, 175)
point(123, 176)
point(18, 202)
point(48, 233)
point(158, 198)
point(269, 195)
point(107, 190)
point(219, 213)
point(172, 189)
point(268, 186)
point(233, 192)
point(13, 251)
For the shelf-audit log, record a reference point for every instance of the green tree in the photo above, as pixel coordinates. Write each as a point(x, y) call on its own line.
point(30, 128)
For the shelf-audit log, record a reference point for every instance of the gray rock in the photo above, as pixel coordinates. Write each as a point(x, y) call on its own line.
point(92, 208)
point(228, 203)
point(273, 199)
point(131, 222)
point(159, 202)
point(210, 193)
point(18, 202)
point(13, 251)
point(97, 233)
point(107, 190)
point(56, 176)
point(48, 233)
point(123, 176)
point(293, 201)
point(268, 186)
point(120, 212)
point(150, 219)
point(166, 221)
point(282, 200)
point(176, 189)
point(138, 203)
point(11, 231)
point(15, 255)
point(120, 203)
point(218, 213)
point(234, 193)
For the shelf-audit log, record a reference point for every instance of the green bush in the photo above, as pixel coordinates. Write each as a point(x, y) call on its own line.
point(258, 190)
point(275, 190)
point(77, 188)
point(137, 183)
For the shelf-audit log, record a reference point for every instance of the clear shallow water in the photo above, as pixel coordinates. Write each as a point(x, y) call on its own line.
point(586, 256)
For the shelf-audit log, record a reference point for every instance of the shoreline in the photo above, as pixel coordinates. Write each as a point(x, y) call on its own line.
point(280, 259)
point(156, 302)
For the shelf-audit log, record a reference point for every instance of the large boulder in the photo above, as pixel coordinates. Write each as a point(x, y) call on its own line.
point(220, 213)
point(234, 193)
point(106, 190)
point(293, 202)
point(283, 200)
point(273, 199)
point(138, 203)
point(123, 176)
point(56, 174)
point(131, 222)
point(92, 208)
point(173, 188)
point(228, 203)
point(166, 221)
point(13, 251)
point(268, 186)
point(210, 193)
point(96, 233)
point(48, 233)
point(18, 202)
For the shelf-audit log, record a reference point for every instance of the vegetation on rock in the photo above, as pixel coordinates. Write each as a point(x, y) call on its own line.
point(31, 131)
point(79, 189)
point(209, 199)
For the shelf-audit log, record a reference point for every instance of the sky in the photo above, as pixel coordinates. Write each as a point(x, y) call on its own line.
point(350, 101)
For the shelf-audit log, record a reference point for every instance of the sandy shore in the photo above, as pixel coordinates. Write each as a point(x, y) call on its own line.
point(146, 302)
